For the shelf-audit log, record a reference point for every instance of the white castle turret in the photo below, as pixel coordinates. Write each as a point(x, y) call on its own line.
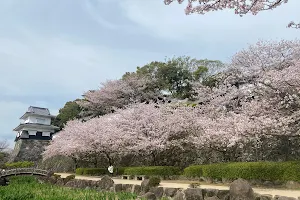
point(33, 134)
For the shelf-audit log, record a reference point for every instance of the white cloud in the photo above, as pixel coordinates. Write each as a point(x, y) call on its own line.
point(39, 65)
point(170, 22)
point(94, 8)
point(9, 119)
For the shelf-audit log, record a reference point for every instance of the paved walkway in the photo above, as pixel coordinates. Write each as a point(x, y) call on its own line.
point(175, 184)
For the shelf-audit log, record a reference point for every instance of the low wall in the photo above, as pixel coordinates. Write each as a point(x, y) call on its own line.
point(239, 190)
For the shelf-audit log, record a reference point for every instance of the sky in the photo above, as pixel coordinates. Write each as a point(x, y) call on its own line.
point(53, 51)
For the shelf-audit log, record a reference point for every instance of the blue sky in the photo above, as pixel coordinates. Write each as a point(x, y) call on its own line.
point(53, 51)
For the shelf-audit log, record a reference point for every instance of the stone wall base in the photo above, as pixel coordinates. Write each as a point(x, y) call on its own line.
point(28, 150)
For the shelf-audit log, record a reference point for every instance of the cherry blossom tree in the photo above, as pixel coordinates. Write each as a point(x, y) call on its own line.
point(266, 54)
point(240, 7)
point(116, 94)
point(97, 136)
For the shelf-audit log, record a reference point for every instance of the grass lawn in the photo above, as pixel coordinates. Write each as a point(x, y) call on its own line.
point(28, 188)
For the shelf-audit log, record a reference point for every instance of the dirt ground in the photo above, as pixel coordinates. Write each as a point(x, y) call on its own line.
point(175, 184)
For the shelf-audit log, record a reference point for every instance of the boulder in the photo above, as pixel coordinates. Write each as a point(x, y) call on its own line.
point(118, 188)
point(52, 180)
point(292, 185)
point(268, 184)
point(241, 189)
point(136, 189)
point(93, 184)
point(71, 183)
point(149, 196)
point(50, 173)
point(179, 196)
point(286, 198)
point(209, 192)
point(127, 187)
point(3, 182)
point(170, 192)
point(223, 194)
point(60, 182)
point(266, 197)
point(82, 183)
point(105, 183)
point(158, 191)
point(145, 185)
point(193, 194)
point(211, 198)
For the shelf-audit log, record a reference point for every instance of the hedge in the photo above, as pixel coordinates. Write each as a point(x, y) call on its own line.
point(24, 164)
point(266, 171)
point(153, 171)
point(98, 171)
point(149, 171)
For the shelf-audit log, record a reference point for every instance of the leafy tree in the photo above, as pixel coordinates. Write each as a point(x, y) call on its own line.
point(3, 145)
point(240, 7)
point(176, 75)
point(69, 112)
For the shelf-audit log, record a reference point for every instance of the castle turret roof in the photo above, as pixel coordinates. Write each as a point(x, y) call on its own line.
point(32, 110)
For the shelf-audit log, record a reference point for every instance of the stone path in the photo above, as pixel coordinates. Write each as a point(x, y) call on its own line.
point(174, 184)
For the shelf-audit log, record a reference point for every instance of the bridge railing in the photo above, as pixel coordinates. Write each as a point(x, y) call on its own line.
point(18, 171)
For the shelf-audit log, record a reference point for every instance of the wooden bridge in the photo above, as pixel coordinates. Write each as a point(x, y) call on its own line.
point(22, 171)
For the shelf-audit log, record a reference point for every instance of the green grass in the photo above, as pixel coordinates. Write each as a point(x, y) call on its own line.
point(28, 188)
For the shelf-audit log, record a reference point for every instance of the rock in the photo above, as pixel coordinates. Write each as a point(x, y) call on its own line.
point(50, 173)
point(3, 182)
point(170, 192)
point(136, 189)
point(193, 194)
point(52, 180)
point(71, 183)
point(266, 197)
point(209, 180)
point(286, 198)
point(149, 196)
point(118, 188)
point(209, 192)
point(158, 191)
point(241, 189)
point(211, 198)
point(268, 184)
point(60, 182)
point(127, 187)
point(194, 185)
point(292, 185)
point(82, 183)
point(145, 185)
point(223, 194)
point(93, 184)
point(105, 183)
point(179, 196)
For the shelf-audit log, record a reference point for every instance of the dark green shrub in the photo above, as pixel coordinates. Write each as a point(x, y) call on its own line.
point(79, 171)
point(98, 171)
point(95, 171)
point(265, 171)
point(120, 170)
point(154, 181)
point(24, 164)
point(291, 171)
point(163, 171)
point(193, 171)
